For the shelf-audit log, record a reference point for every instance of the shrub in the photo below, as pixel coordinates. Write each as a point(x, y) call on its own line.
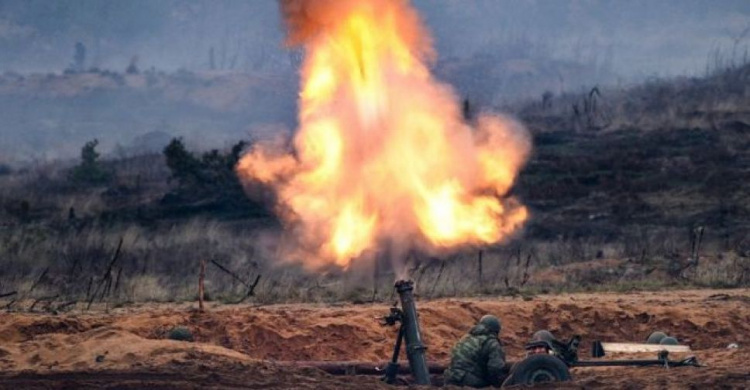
point(90, 170)
point(209, 179)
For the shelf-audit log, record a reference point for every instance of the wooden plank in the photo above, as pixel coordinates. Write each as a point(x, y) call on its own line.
point(635, 347)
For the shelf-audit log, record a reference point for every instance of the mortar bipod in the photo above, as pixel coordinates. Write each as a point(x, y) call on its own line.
point(391, 371)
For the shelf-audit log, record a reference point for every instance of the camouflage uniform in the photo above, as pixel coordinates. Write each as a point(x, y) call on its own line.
point(477, 360)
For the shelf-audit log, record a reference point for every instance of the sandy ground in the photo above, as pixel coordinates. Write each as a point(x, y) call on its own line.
point(242, 346)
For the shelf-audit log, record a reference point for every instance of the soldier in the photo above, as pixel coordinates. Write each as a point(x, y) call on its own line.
point(478, 359)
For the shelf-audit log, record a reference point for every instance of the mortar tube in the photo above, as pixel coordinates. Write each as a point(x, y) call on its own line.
point(414, 347)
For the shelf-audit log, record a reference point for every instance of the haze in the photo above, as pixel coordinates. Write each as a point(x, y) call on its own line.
point(492, 51)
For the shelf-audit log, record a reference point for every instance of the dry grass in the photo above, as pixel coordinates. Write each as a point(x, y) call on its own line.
point(162, 265)
point(613, 207)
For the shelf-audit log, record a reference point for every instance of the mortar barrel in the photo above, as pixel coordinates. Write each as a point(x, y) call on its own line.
point(415, 349)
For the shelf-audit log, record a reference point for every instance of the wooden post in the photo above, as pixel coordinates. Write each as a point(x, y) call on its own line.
point(697, 237)
point(479, 269)
point(201, 277)
point(375, 278)
point(437, 279)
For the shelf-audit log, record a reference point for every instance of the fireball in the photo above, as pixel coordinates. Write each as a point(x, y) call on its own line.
point(383, 155)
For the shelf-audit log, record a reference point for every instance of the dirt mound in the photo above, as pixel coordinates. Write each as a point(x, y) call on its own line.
point(102, 348)
point(130, 343)
point(106, 356)
point(23, 328)
point(702, 319)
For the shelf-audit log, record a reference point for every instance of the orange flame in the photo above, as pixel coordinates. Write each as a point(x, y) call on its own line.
point(382, 153)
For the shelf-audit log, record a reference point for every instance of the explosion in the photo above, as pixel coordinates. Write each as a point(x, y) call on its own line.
point(383, 156)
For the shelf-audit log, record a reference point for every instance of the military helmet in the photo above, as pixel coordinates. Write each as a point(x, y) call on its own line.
point(491, 322)
point(656, 337)
point(543, 335)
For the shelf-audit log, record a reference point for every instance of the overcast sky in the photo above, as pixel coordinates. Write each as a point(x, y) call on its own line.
point(647, 37)
point(642, 38)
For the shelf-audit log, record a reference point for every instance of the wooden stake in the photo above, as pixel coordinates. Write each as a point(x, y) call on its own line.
point(107, 278)
point(38, 280)
point(50, 298)
point(440, 273)
point(3, 295)
point(201, 278)
point(479, 269)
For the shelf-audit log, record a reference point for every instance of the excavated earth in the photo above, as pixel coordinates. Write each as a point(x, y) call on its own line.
point(250, 347)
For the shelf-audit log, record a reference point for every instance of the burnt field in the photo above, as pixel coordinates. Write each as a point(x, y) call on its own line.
point(236, 209)
point(639, 188)
point(256, 347)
